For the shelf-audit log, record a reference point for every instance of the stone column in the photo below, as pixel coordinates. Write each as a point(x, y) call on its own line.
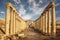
point(46, 21)
point(43, 24)
point(40, 24)
point(14, 21)
point(53, 18)
point(7, 20)
point(49, 23)
point(11, 22)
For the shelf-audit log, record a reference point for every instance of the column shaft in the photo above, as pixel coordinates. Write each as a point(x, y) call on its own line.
point(7, 20)
point(53, 19)
point(49, 23)
point(11, 22)
point(43, 24)
point(14, 21)
point(40, 23)
point(46, 21)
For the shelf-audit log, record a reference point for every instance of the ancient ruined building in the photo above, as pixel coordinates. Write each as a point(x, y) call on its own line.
point(47, 20)
point(12, 27)
point(47, 23)
point(13, 23)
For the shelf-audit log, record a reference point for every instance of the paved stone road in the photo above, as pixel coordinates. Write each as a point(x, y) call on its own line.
point(31, 34)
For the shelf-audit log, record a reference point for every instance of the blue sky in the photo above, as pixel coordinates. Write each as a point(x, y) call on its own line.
point(28, 9)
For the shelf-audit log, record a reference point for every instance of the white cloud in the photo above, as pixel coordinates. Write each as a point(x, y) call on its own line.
point(2, 12)
point(58, 18)
point(40, 1)
point(27, 17)
point(36, 9)
point(57, 4)
point(29, 1)
point(22, 11)
point(17, 1)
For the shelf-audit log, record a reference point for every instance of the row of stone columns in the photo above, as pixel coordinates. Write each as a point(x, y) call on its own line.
point(10, 21)
point(47, 19)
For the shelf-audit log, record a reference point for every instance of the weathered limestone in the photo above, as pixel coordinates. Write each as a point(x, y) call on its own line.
point(46, 21)
point(43, 23)
point(53, 18)
point(7, 20)
point(14, 22)
point(39, 24)
point(11, 22)
point(14, 19)
point(49, 23)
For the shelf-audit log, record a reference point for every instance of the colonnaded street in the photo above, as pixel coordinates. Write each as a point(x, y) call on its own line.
point(44, 28)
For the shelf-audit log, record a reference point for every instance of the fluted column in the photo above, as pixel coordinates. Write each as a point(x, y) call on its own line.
point(7, 19)
point(14, 21)
point(46, 21)
point(11, 22)
point(49, 23)
point(43, 24)
point(40, 23)
point(53, 18)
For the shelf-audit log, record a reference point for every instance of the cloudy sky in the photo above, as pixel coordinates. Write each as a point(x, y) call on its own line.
point(28, 9)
